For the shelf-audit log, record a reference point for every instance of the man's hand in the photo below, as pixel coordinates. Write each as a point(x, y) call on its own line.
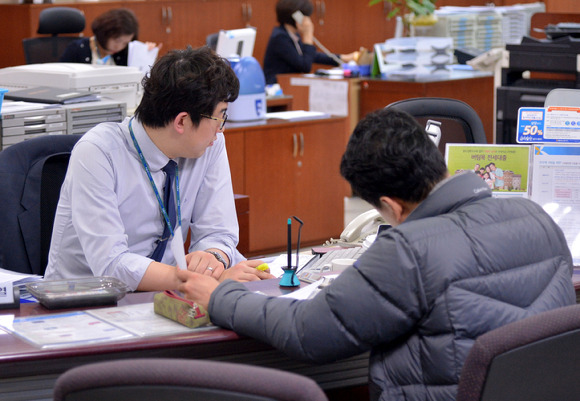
point(196, 287)
point(199, 287)
point(246, 271)
point(204, 263)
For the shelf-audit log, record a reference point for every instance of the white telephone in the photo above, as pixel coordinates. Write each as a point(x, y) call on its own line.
point(363, 225)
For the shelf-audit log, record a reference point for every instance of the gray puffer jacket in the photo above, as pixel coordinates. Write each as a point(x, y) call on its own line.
point(463, 263)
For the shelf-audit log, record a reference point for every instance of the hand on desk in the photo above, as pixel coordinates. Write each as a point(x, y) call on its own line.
point(199, 287)
point(204, 263)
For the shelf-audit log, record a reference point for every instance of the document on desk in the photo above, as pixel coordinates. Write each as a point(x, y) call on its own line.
point(141, 320)
point(63, 329)
point(311, 290)
point(93, 326)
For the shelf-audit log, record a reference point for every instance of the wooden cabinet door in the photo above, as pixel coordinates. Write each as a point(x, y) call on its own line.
point(294, 171)
point(271, 184)
point(319, 186)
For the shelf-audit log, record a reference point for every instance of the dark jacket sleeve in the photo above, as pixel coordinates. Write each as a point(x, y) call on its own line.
point(339, 322)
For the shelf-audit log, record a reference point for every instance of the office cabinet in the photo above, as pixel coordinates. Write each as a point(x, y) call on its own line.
point(290, 169)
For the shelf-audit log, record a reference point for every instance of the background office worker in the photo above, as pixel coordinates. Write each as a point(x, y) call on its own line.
point(291, 46)
point(110, 219)
point(426, 288)
point(112, 32)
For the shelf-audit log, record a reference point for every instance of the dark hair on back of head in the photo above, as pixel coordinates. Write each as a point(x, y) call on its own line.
point(389, 154)
point(190, 80)
point(115, 23)
point(285, 9)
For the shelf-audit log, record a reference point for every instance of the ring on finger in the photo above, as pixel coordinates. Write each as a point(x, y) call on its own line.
point(210, 268)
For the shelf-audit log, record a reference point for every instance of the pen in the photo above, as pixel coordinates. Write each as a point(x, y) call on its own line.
point(289, 243)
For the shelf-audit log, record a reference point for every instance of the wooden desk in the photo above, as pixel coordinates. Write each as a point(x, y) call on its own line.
point(369, 94)
point(477, 90)
point(28, 372)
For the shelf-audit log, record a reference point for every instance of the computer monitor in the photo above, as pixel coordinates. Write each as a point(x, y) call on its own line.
point(236, 42)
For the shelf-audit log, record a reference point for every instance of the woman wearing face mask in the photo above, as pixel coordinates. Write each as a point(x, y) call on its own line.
point(112, 32)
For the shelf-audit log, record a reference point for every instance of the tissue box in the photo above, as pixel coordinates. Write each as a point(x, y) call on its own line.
point(173, 306)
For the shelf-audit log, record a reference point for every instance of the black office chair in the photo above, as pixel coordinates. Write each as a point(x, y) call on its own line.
point(534, 359)
point(211, 40)
point(459, 122)
point(180, 379)
point(53, 21)
point(31, 174)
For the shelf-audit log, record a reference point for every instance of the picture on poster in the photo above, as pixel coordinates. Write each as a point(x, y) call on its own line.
point(505, 168)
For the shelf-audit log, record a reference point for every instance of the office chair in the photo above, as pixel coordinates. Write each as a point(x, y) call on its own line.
point(534, 359)
point(53, 21)
point(563, 97)
point(459, 122)
point(31, 174)
point(180, 379)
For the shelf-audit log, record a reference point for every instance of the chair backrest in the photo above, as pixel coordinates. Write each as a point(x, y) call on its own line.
point(534, 359)
point(31, 175)
point(459, 122)
point(563, 97)
point(211, 40)
point(53, 21)
point(179, 379)
point(45, 49)
point(58, 20)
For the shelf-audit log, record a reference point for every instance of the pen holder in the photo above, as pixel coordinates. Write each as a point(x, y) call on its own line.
point(289, 278)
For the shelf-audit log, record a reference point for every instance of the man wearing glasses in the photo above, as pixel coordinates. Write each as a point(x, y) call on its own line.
point(131, 186)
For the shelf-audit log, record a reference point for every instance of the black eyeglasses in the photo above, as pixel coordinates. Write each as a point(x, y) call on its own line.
point(223, 120)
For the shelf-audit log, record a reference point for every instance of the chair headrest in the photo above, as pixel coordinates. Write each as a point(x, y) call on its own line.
point(56, 20)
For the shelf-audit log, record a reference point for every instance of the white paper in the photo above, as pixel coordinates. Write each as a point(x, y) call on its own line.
point(66, 329)
point(329, 96)
point(6, 292)
point(141, 320)
point(282, 261)
point(310, 290)
point(556, 187)
point(140, 56)
point(177, 248)
point(17, 278)
point(297, 115)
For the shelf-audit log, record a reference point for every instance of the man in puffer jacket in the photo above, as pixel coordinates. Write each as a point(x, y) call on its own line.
point(456, 264)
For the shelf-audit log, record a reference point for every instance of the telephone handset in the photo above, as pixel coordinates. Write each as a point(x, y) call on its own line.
point(363, 225)
point(299, 17)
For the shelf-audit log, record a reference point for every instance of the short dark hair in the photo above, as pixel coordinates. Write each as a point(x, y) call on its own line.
point(285, 9)
point(390, 154)
point(114, 23)
point(190, 80)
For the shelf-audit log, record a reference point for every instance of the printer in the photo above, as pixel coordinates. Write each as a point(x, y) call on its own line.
point(110, 81)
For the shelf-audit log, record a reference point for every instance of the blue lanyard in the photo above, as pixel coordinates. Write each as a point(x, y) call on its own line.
point(146, 167)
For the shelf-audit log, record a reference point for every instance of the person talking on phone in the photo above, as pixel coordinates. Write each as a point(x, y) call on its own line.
point(291, 45)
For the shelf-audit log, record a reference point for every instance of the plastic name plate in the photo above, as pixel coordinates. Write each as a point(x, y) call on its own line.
point(550, 124)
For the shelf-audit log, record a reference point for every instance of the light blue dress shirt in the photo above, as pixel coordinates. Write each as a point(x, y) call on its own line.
point(108, 219)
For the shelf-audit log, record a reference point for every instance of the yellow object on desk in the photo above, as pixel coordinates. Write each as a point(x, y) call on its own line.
point(263, 267)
